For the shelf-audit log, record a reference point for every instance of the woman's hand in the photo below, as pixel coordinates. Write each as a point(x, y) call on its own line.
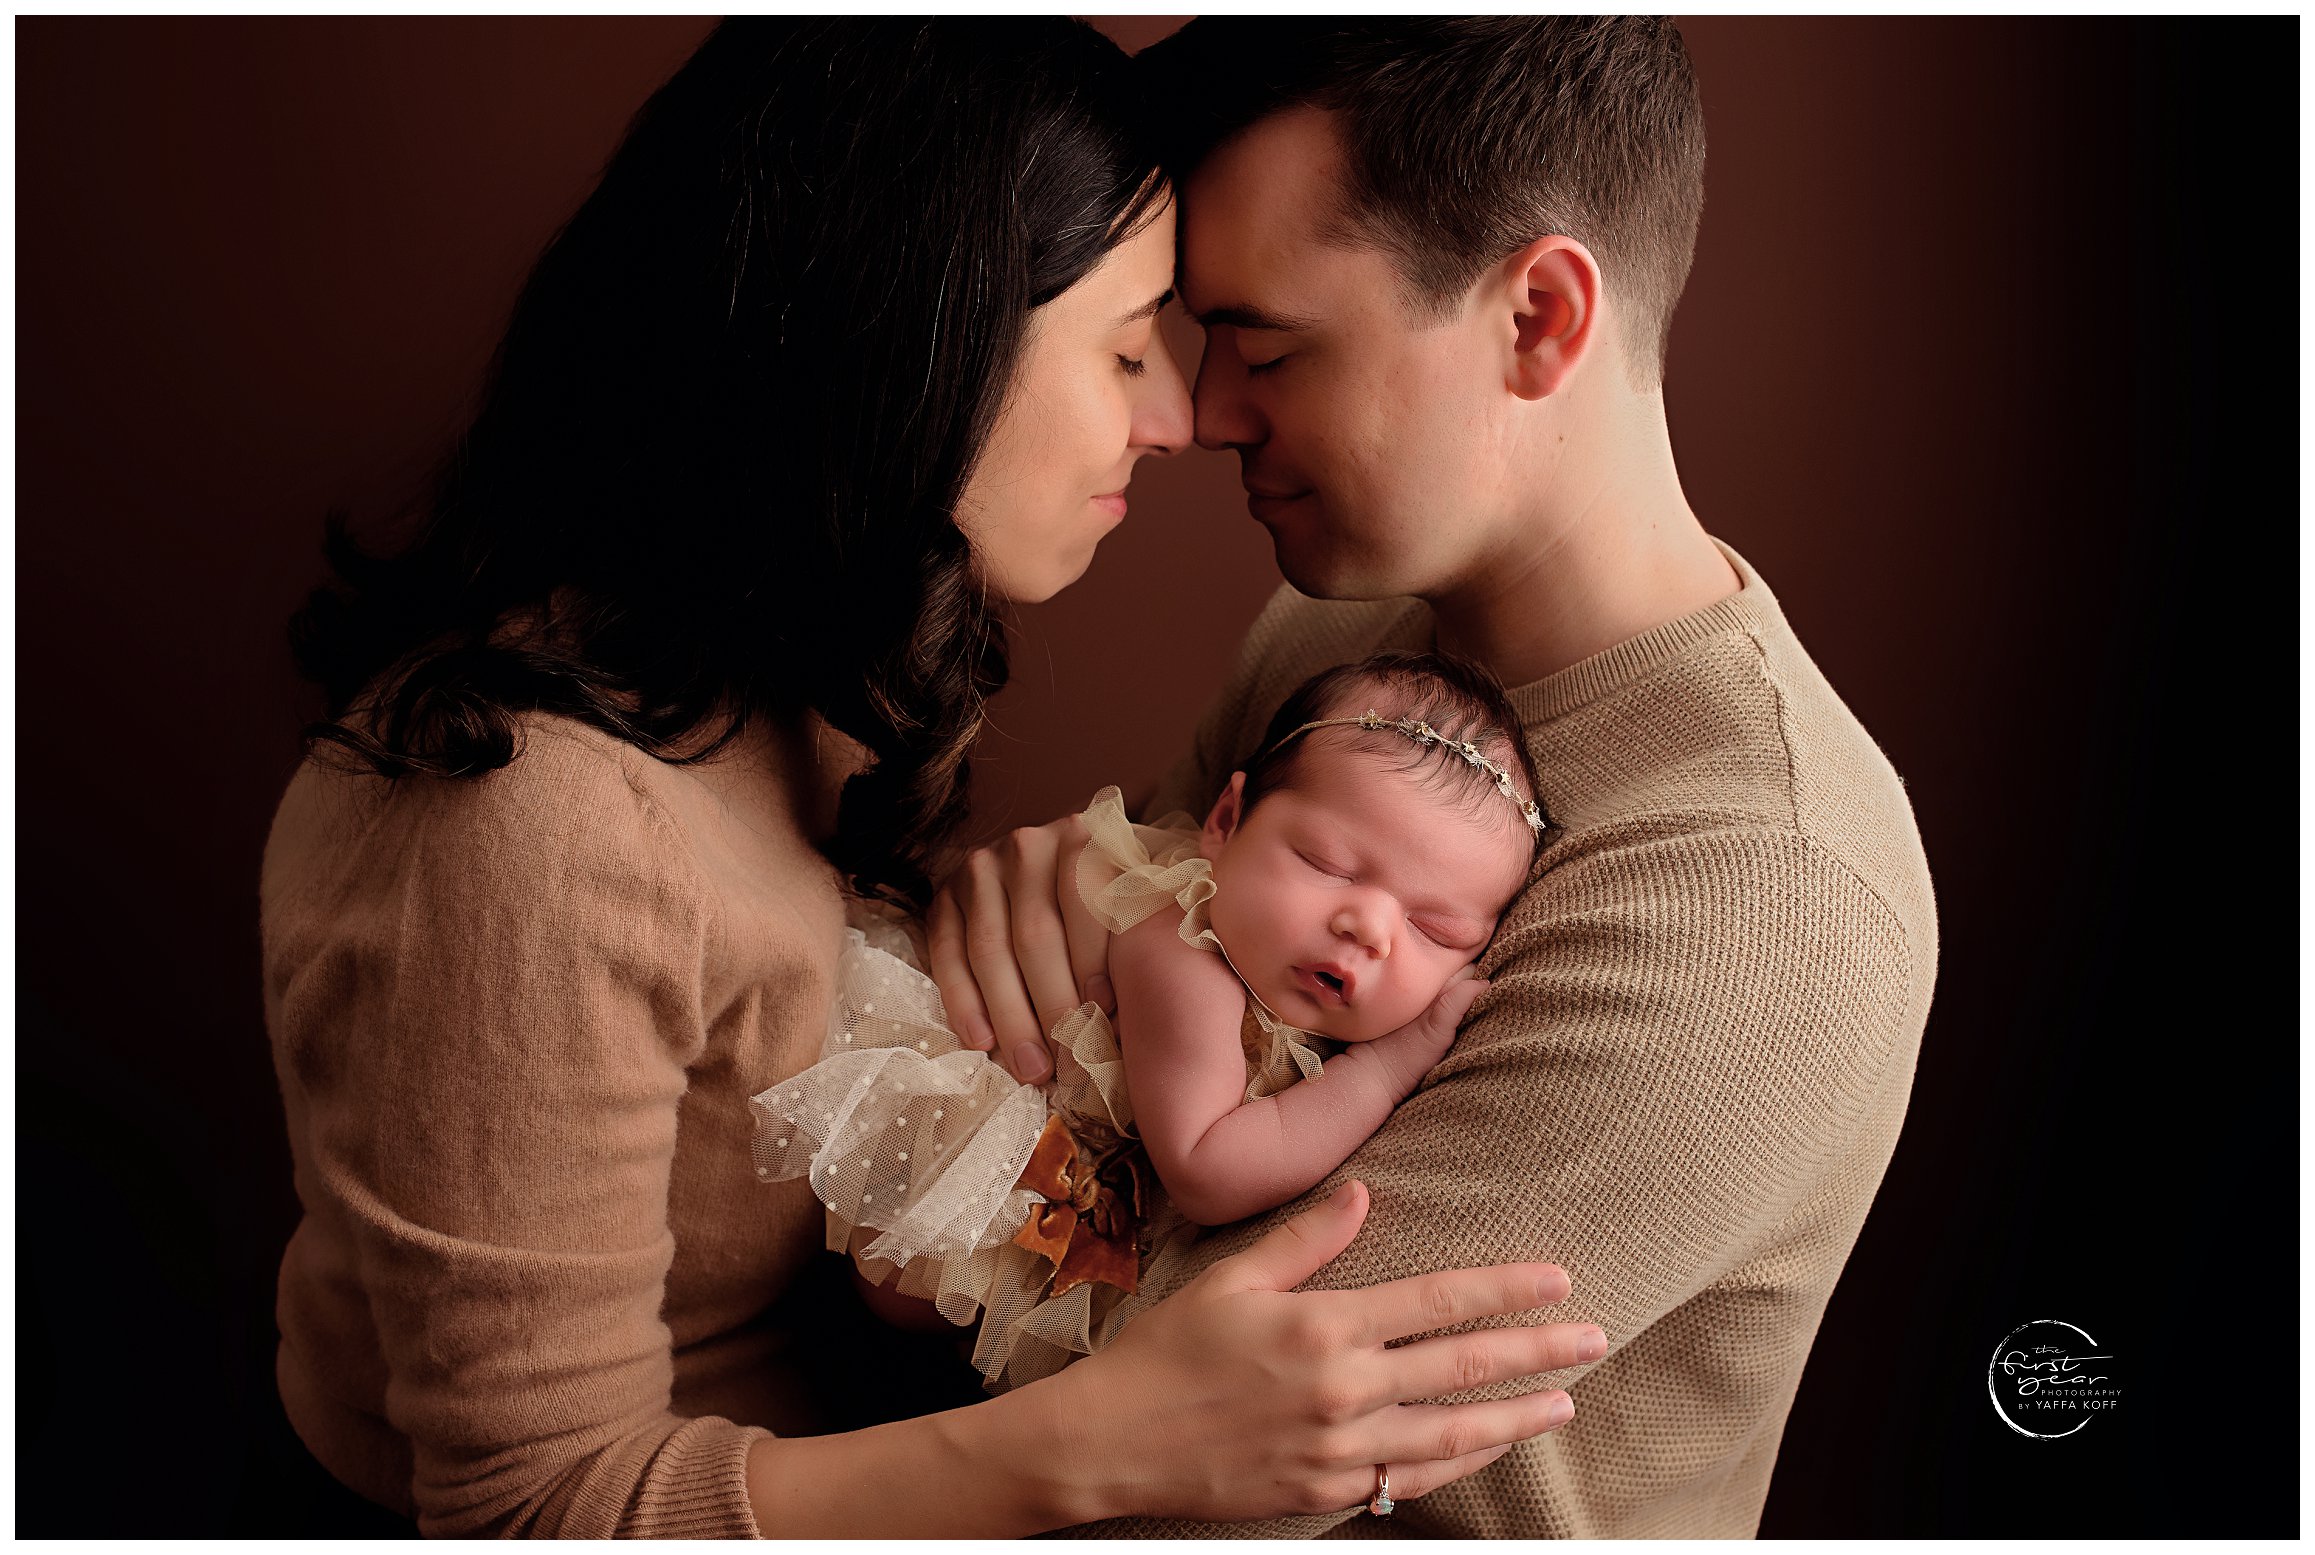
point(1013, 948)
point(1239, 1397)
point(1236, 1397)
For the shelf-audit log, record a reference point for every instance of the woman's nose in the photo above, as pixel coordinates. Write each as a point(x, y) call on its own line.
point(1161, 411)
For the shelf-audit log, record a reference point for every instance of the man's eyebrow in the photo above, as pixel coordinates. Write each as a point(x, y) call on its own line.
point(1245, 316)
point(1148, 310)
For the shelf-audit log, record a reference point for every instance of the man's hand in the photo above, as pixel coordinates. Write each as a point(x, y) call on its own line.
point(1013, 948)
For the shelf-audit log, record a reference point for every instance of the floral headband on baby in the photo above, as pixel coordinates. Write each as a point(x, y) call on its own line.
point(1423, 734)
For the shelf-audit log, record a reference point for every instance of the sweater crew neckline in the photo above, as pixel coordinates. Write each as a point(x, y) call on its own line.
point(1752, 609)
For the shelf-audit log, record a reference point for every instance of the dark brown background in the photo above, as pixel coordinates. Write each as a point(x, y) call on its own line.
point(1987, 364)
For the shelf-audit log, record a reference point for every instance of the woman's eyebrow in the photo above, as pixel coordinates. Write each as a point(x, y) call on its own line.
point(1148, 310)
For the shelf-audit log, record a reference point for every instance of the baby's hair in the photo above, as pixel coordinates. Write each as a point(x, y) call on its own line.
point(1457, 698)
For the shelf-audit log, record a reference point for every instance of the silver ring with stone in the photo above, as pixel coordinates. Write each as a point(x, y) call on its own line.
point(1382, 1505)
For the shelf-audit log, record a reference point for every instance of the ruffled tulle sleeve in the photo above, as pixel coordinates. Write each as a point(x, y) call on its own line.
point(1128, 872)
point(918, 1144)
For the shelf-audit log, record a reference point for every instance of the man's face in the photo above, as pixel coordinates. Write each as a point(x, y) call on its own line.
point(1368, 439)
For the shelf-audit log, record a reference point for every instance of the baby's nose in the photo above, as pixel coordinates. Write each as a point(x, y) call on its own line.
point(1365, 927)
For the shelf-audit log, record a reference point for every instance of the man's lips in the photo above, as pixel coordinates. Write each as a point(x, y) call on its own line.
point(1327, 983)
point(1262, 501)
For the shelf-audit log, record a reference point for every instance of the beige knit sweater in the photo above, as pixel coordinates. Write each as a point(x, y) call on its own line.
point(516, 1021)
point(1688, 1078)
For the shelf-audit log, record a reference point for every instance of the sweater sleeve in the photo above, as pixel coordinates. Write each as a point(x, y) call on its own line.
point(493, 1104)
point(1689, 1044)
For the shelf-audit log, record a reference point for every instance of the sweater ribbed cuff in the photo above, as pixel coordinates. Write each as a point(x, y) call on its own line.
point(696, 1486)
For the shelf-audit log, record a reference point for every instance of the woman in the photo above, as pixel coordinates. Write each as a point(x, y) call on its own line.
point(854, 342)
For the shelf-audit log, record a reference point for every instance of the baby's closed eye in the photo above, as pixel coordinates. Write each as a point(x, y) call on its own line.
point(1331, 871)
point(1452, 933)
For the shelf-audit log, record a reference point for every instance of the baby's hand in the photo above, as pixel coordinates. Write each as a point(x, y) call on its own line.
point(1411, 1052)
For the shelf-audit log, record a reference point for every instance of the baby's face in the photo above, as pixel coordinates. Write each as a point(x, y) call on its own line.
point(1349, 899)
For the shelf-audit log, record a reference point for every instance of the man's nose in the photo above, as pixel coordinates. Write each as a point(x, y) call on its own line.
point(1223, 415)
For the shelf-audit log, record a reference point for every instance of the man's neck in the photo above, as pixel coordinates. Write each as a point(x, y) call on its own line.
point(1615, 553)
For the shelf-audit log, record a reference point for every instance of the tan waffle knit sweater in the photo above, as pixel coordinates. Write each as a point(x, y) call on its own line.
point(516, 1021)
point(1688, 1078)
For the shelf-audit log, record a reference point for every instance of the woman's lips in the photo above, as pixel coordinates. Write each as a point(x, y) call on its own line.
point(1112, 503)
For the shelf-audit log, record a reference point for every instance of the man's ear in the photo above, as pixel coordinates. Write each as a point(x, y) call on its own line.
point(1550, 291)
point(1223, 819)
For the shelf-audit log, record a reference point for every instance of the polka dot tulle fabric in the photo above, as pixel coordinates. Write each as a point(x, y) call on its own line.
point(916, 1143)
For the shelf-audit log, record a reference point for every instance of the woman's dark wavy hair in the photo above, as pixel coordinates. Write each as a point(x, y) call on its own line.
point(714, 472)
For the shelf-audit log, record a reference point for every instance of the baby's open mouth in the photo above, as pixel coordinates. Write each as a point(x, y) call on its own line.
point(1330, 989)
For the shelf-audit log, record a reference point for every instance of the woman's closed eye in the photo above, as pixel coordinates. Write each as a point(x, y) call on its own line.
point(1131, 347)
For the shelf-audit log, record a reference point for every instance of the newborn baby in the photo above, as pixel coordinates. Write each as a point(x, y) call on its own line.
point(1357, 867)
point(1285, 975)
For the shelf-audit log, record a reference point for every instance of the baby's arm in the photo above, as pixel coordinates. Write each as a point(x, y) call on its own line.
point(1221, 1157)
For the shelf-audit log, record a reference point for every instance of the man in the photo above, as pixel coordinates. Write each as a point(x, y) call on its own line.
point(1437, 261)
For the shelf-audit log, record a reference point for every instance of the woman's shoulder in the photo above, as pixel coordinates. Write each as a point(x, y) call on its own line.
point(569, 787)
point(578, 824)
point(572, 818)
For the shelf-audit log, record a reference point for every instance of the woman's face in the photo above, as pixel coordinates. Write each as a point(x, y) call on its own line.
point(1096, 389)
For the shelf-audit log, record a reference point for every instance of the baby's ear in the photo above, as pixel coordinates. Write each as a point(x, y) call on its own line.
point(1222, 820)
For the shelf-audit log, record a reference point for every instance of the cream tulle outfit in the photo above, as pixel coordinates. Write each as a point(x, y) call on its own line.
point(917, 1144)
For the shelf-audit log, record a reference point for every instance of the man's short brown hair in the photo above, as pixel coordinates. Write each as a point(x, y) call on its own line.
point(1468, 138)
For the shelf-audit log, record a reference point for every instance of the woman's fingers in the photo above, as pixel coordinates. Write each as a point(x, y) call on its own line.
point(1426, 1303)
point(1252, 1398)
point(1088, 938)
point(981, 938)
point(1452, 1363)
point(1418, 1437)
point(960, 995)
point(1010, 958)
point(1039, 864)
point(1298, 1249)
point(1020, 1040)
point(1409, 1480)
point(1429, 1445)
point(1498, 1428)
